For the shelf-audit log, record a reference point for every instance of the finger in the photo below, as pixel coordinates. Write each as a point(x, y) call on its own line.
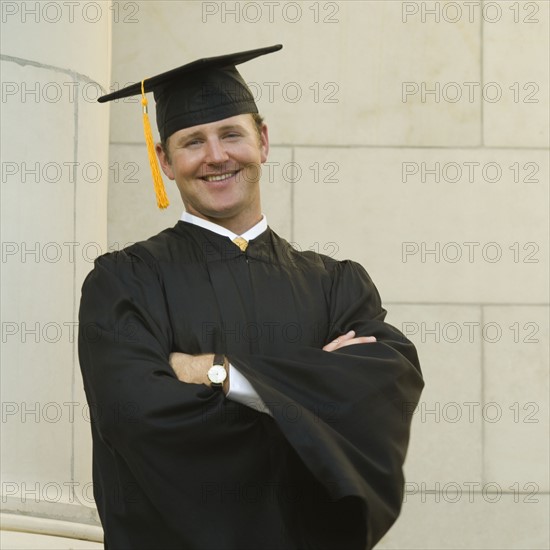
point(336, 343)
point(350, 334)
point(359, 340)
point(350, 342)
point(331, 346)
point(362, 340)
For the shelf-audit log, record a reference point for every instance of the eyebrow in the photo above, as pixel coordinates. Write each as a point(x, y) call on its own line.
point(231, 127)
point(199, 133)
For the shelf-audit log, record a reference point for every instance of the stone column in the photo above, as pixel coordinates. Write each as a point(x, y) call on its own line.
point(55, 62)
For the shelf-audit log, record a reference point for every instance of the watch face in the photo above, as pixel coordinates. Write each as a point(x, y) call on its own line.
point(217, 374)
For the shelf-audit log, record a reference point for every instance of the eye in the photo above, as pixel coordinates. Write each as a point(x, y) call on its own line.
point(231, 135)
point(193, 143)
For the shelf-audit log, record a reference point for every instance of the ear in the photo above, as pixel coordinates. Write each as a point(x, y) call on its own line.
point(165, 163)
point(264, 143)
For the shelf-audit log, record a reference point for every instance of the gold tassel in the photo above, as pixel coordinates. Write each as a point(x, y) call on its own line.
point(160, 191)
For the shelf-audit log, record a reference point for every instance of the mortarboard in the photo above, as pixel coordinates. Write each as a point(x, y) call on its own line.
point(200, 92)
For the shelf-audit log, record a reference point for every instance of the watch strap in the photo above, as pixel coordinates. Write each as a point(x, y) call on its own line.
point(219, 359)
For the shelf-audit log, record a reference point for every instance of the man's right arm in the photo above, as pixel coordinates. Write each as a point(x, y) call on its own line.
point(156, 428)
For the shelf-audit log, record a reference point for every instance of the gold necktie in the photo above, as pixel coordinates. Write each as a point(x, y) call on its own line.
point(241, 243)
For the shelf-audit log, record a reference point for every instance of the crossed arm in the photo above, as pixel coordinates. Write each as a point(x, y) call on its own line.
point(193, 369)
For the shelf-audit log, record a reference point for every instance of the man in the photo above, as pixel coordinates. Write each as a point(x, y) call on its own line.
point(244, 395)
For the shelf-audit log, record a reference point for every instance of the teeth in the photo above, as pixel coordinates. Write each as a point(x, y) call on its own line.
point(220, 177)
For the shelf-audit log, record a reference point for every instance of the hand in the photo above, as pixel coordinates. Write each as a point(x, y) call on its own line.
point(348, 340)
point(191, 369)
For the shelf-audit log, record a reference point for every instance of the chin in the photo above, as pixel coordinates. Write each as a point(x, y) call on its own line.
point(222, 212)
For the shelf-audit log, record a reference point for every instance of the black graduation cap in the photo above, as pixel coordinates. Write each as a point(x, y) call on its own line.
point(200, 92)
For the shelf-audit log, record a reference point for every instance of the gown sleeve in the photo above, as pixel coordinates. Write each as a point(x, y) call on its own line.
point(344, 412)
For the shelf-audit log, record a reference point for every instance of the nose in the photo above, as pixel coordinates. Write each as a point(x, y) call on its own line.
point(215, 151)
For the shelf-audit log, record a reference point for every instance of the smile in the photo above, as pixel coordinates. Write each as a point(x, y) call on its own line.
point(220, 177)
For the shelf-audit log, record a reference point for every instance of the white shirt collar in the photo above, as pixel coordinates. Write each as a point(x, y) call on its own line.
point(248, 235)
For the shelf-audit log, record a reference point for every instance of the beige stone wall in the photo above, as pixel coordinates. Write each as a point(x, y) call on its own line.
point(412, 137)
point(420, 143)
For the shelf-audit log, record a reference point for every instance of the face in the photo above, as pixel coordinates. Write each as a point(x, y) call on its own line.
point(216, 167)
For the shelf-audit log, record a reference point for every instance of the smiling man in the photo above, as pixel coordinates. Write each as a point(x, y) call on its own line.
point(216, 167)
point(244, 395)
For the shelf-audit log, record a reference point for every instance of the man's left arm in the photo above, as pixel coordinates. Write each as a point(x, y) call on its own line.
point(346, 408)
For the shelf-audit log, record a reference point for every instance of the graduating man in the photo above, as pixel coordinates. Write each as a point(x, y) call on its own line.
point(244, 395)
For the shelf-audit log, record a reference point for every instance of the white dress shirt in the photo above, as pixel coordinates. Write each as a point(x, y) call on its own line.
point(240, 389)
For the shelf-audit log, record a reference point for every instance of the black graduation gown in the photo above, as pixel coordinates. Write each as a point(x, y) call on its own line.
point(179, 465)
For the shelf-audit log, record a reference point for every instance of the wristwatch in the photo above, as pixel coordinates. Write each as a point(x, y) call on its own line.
point(217, 373)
